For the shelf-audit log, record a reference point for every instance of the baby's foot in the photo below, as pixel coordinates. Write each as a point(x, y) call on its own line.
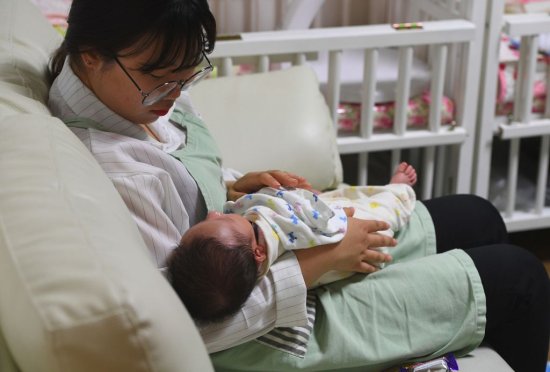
point(405, 173)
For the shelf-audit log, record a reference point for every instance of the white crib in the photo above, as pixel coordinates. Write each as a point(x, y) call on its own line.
point(450, 41)
point(510, 131)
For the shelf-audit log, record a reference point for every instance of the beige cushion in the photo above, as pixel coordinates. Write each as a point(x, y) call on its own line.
point(276, 120)
point(78, 289)
point(7, 364)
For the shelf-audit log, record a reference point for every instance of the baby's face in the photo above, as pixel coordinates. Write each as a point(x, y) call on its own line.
point(225, 227)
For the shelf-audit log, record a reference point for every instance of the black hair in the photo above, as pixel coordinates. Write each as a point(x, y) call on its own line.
point(185, 29)
point(212, 278)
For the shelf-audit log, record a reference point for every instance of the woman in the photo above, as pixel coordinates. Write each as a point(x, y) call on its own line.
point(118, 79)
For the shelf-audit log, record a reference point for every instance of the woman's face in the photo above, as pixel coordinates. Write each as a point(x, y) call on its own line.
point(117, 91)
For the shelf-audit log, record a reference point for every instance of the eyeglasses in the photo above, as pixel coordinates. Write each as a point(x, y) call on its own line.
point(167, 88)
point(256, 232)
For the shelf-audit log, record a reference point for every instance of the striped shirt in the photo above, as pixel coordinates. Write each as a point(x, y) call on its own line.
point(165, 201)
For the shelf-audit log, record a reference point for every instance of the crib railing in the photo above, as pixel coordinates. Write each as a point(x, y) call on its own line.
point(298, 46)
point(524, 124)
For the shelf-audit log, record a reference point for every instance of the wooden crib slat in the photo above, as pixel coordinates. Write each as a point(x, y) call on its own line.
point(542, 178)
point(523, 100)
point(439, 61)
point(441, 169)
point(535, 128)
point(356, 37)
point(263, 63)
point(488, 97)
point(333, 84)
point(427, 175)
point(416, 138)
point(368, 93)
point(299, 59)
point(362, 168)
point(513, 167)
point(403, 90)
point(526, 24)
point(226, 67)
point(547, 106)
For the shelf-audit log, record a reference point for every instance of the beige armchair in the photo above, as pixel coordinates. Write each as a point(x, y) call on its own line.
point(78, 291)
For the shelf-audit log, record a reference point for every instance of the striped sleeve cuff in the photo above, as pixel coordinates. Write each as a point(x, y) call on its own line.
point(290, 292)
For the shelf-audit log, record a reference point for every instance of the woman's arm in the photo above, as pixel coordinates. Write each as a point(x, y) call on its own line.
point(254, 181)
point(145, 195)
point(278, 300)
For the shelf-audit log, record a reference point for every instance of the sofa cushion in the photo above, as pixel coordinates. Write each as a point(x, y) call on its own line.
point(7, 364)
point(275, 120)
point(78, 289)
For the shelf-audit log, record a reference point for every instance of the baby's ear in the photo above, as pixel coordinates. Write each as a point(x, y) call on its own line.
point(259, 253)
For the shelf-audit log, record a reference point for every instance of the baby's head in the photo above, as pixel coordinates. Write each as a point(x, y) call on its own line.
point(214, 268)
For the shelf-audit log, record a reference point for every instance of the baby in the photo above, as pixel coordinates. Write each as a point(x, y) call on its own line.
point(219, 260)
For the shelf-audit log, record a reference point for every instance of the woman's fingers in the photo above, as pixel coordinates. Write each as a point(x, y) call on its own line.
point(368, 226)
point(371, 261)
point(365, 268)
point(377, 240)
point(287, 179)
point(374, 225)
point(272, 178)
point(375, 257)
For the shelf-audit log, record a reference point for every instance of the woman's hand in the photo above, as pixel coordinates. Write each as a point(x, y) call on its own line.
point(356, 252)
point(254, 181)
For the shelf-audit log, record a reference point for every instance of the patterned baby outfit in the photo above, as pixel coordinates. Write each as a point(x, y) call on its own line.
point(297, 218)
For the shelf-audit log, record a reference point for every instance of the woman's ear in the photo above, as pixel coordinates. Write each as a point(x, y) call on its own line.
point(260, 253)
point(91, 60)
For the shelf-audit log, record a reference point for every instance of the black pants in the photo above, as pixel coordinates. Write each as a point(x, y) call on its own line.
point(517, 287)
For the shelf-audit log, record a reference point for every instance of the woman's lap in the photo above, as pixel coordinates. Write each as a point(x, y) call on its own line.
point(370, 323)
point(399, 305)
